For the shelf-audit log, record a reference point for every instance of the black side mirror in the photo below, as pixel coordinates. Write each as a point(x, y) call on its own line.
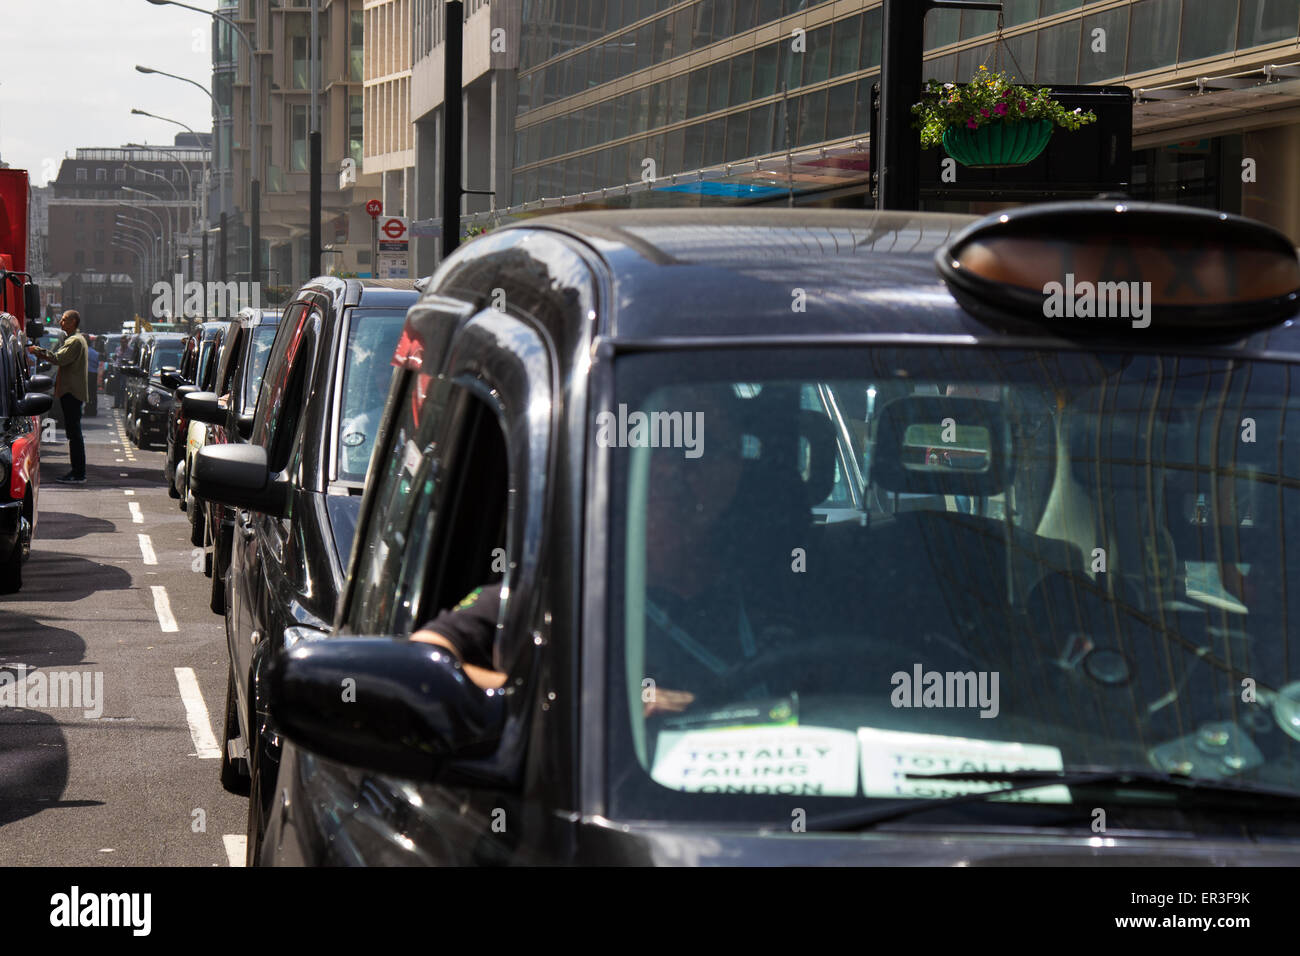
point(245, 426)
point(36, 403)
point(238, 475)
point(412, 710)
point(40, 383)
point(203, 407)
point(31, 299)
point(34, 331)
point(172, 379)
point(178, 396)
point(134, 371)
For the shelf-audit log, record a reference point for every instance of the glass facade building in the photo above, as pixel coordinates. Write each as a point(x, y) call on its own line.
point(698, 84)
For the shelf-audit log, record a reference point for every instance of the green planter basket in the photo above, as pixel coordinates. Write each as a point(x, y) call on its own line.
point(998, 144)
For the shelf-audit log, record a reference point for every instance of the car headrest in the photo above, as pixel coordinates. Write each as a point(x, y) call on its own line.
point(791, 455)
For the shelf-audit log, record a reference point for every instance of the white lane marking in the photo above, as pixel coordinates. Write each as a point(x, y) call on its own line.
point(136, 516)
point(117, 461)
point(129, 491)
point(196, 712)
point(163, 607)
point(146, 549)
point(236, 848)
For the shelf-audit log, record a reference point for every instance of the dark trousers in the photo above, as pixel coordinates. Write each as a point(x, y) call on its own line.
point(72, 424)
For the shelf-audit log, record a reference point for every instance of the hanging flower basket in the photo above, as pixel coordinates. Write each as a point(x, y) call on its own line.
point(990, 121)
point(999, 144)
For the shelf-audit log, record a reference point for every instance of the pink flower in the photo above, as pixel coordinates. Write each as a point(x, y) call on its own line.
point(1000, 109)
point(971, 124)
point(984, 113)
point(1022, 106)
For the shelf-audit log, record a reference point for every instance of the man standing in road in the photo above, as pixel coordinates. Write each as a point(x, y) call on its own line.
point(71, 390)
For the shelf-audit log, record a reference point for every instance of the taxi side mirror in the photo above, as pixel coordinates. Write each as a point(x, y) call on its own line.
point(32, 299)
point(203, 407)
point(238, 475)
point(40, 383)
point(385, 705)
point(170, 378)
point(37, 403)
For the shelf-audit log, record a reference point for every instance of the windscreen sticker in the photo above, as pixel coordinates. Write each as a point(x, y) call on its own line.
point(888, 756)
point(813, 761)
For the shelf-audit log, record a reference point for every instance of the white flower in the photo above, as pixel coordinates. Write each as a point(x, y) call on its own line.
point(1078, 110)
point(950, 86)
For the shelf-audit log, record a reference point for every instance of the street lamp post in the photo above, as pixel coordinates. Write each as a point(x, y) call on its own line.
point(162, 224)
point(143, 231)
point(177, 225)
point(199, 205)
point(255, 178)
point(216, 109)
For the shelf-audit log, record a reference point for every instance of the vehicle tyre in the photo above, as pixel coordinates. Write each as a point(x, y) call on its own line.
point(234, 774)
point(11, 571)
point(198, 530)
point(218, 601)
point(260, 794)
point(173, 493)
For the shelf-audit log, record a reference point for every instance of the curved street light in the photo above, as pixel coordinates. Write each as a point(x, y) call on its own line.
point(162, 223)
point(255, 157)
point(216, 113)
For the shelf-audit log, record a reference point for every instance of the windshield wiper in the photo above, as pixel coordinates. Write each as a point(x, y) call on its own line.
point(1207, 790)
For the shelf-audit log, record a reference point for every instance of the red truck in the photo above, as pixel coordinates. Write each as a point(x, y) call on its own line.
point(21, 400)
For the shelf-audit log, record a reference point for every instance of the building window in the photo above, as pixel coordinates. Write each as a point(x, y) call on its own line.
point(356, 116)
point(356, 48)
point(178, 176)
point(300, 68)
point(81, 176)
point(119, 175)
point(298, 145)
point(101, 175)
point(79, 257)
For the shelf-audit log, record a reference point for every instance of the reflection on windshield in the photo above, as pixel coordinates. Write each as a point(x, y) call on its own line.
point(258, 353)
point(372, 338)
point(908, 561)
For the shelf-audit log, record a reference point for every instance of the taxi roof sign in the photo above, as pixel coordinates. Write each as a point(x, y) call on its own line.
point(1082, 268)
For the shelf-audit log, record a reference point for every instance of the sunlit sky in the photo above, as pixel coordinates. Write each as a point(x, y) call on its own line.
point(68, 78)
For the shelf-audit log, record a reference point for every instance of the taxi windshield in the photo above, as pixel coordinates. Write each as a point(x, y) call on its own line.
point(368, 369)
point(166, 354)
point(831, 570)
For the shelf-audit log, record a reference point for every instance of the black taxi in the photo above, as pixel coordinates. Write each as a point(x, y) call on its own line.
point(821, 537)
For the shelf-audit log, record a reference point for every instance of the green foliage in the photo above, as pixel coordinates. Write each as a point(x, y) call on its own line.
point(988, 98)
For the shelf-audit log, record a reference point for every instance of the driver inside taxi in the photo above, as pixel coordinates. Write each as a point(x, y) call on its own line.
point(697, 627)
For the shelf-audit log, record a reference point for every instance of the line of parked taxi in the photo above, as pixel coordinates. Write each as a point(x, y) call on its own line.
point(666, 544)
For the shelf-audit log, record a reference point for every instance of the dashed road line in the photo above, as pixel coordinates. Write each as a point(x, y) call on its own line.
point(146, 549)
point(236, 848)
point(196, 713)
point(137, 517)
point(163, 608)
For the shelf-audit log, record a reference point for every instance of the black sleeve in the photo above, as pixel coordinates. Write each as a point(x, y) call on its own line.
point(471, 625)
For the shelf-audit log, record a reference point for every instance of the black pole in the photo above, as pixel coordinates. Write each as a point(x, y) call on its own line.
point(452, 112)
point(314, 260)
point(221, 250)
point(901, 70)
point(206, 287)
point(255, 235)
